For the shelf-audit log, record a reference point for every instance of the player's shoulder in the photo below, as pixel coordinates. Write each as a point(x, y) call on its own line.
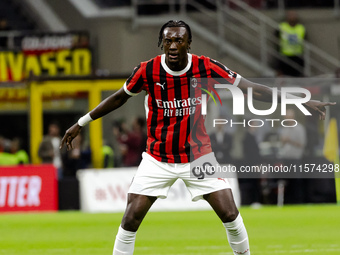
point(219, 67)
point(208, 59)
point(201, 60)
point(216, 62)
point(201, 57)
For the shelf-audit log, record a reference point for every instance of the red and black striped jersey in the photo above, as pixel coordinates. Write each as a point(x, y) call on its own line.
point(175, 126)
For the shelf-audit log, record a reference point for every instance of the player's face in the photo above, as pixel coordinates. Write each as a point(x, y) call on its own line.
point(176, 45)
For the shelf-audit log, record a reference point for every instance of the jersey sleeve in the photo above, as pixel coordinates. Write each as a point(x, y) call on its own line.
point(135, 83)
point(220, 71)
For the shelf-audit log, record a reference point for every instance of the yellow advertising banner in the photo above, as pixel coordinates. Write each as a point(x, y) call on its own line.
point(17, 66)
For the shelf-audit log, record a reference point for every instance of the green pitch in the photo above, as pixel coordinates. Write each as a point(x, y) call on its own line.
point(272, 230)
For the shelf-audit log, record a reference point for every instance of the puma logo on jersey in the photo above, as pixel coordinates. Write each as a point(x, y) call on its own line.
point(161, 85)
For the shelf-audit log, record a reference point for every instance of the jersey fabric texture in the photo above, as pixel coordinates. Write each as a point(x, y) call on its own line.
point(175, 126)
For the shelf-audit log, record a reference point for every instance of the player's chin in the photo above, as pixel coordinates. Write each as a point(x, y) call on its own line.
point(173, 60)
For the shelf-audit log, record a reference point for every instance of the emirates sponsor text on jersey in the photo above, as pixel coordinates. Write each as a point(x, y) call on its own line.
point(181, 107)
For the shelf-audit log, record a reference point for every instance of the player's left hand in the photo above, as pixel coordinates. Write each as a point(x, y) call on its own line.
point(319, 107)
point(70, 134)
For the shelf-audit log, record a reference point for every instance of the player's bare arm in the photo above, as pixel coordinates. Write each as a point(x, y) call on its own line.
point(106, 106)
point(264, 93)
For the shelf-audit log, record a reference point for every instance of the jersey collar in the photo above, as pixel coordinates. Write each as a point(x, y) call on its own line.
point(176, 73)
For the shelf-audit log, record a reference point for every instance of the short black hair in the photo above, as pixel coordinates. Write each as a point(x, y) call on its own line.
point(174, 23)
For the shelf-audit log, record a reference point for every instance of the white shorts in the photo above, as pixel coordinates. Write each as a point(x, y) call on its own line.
point(154, 178)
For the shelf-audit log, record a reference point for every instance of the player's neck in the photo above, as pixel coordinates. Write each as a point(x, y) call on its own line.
point(177, 66)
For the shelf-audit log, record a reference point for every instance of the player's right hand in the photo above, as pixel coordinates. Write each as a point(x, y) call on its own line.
point(70, 134)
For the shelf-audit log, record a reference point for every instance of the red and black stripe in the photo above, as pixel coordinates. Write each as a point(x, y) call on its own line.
point(181, 138)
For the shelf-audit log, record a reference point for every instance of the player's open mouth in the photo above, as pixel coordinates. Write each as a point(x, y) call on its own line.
point(173, 56)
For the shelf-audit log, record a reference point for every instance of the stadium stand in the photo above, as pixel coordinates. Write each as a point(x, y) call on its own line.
point(112, 3)
point(16, 16)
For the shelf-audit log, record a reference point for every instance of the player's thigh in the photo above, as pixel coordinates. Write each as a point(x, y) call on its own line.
point(136, 209)
point(222, 201)
point(153, 178)
point(198, 187)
